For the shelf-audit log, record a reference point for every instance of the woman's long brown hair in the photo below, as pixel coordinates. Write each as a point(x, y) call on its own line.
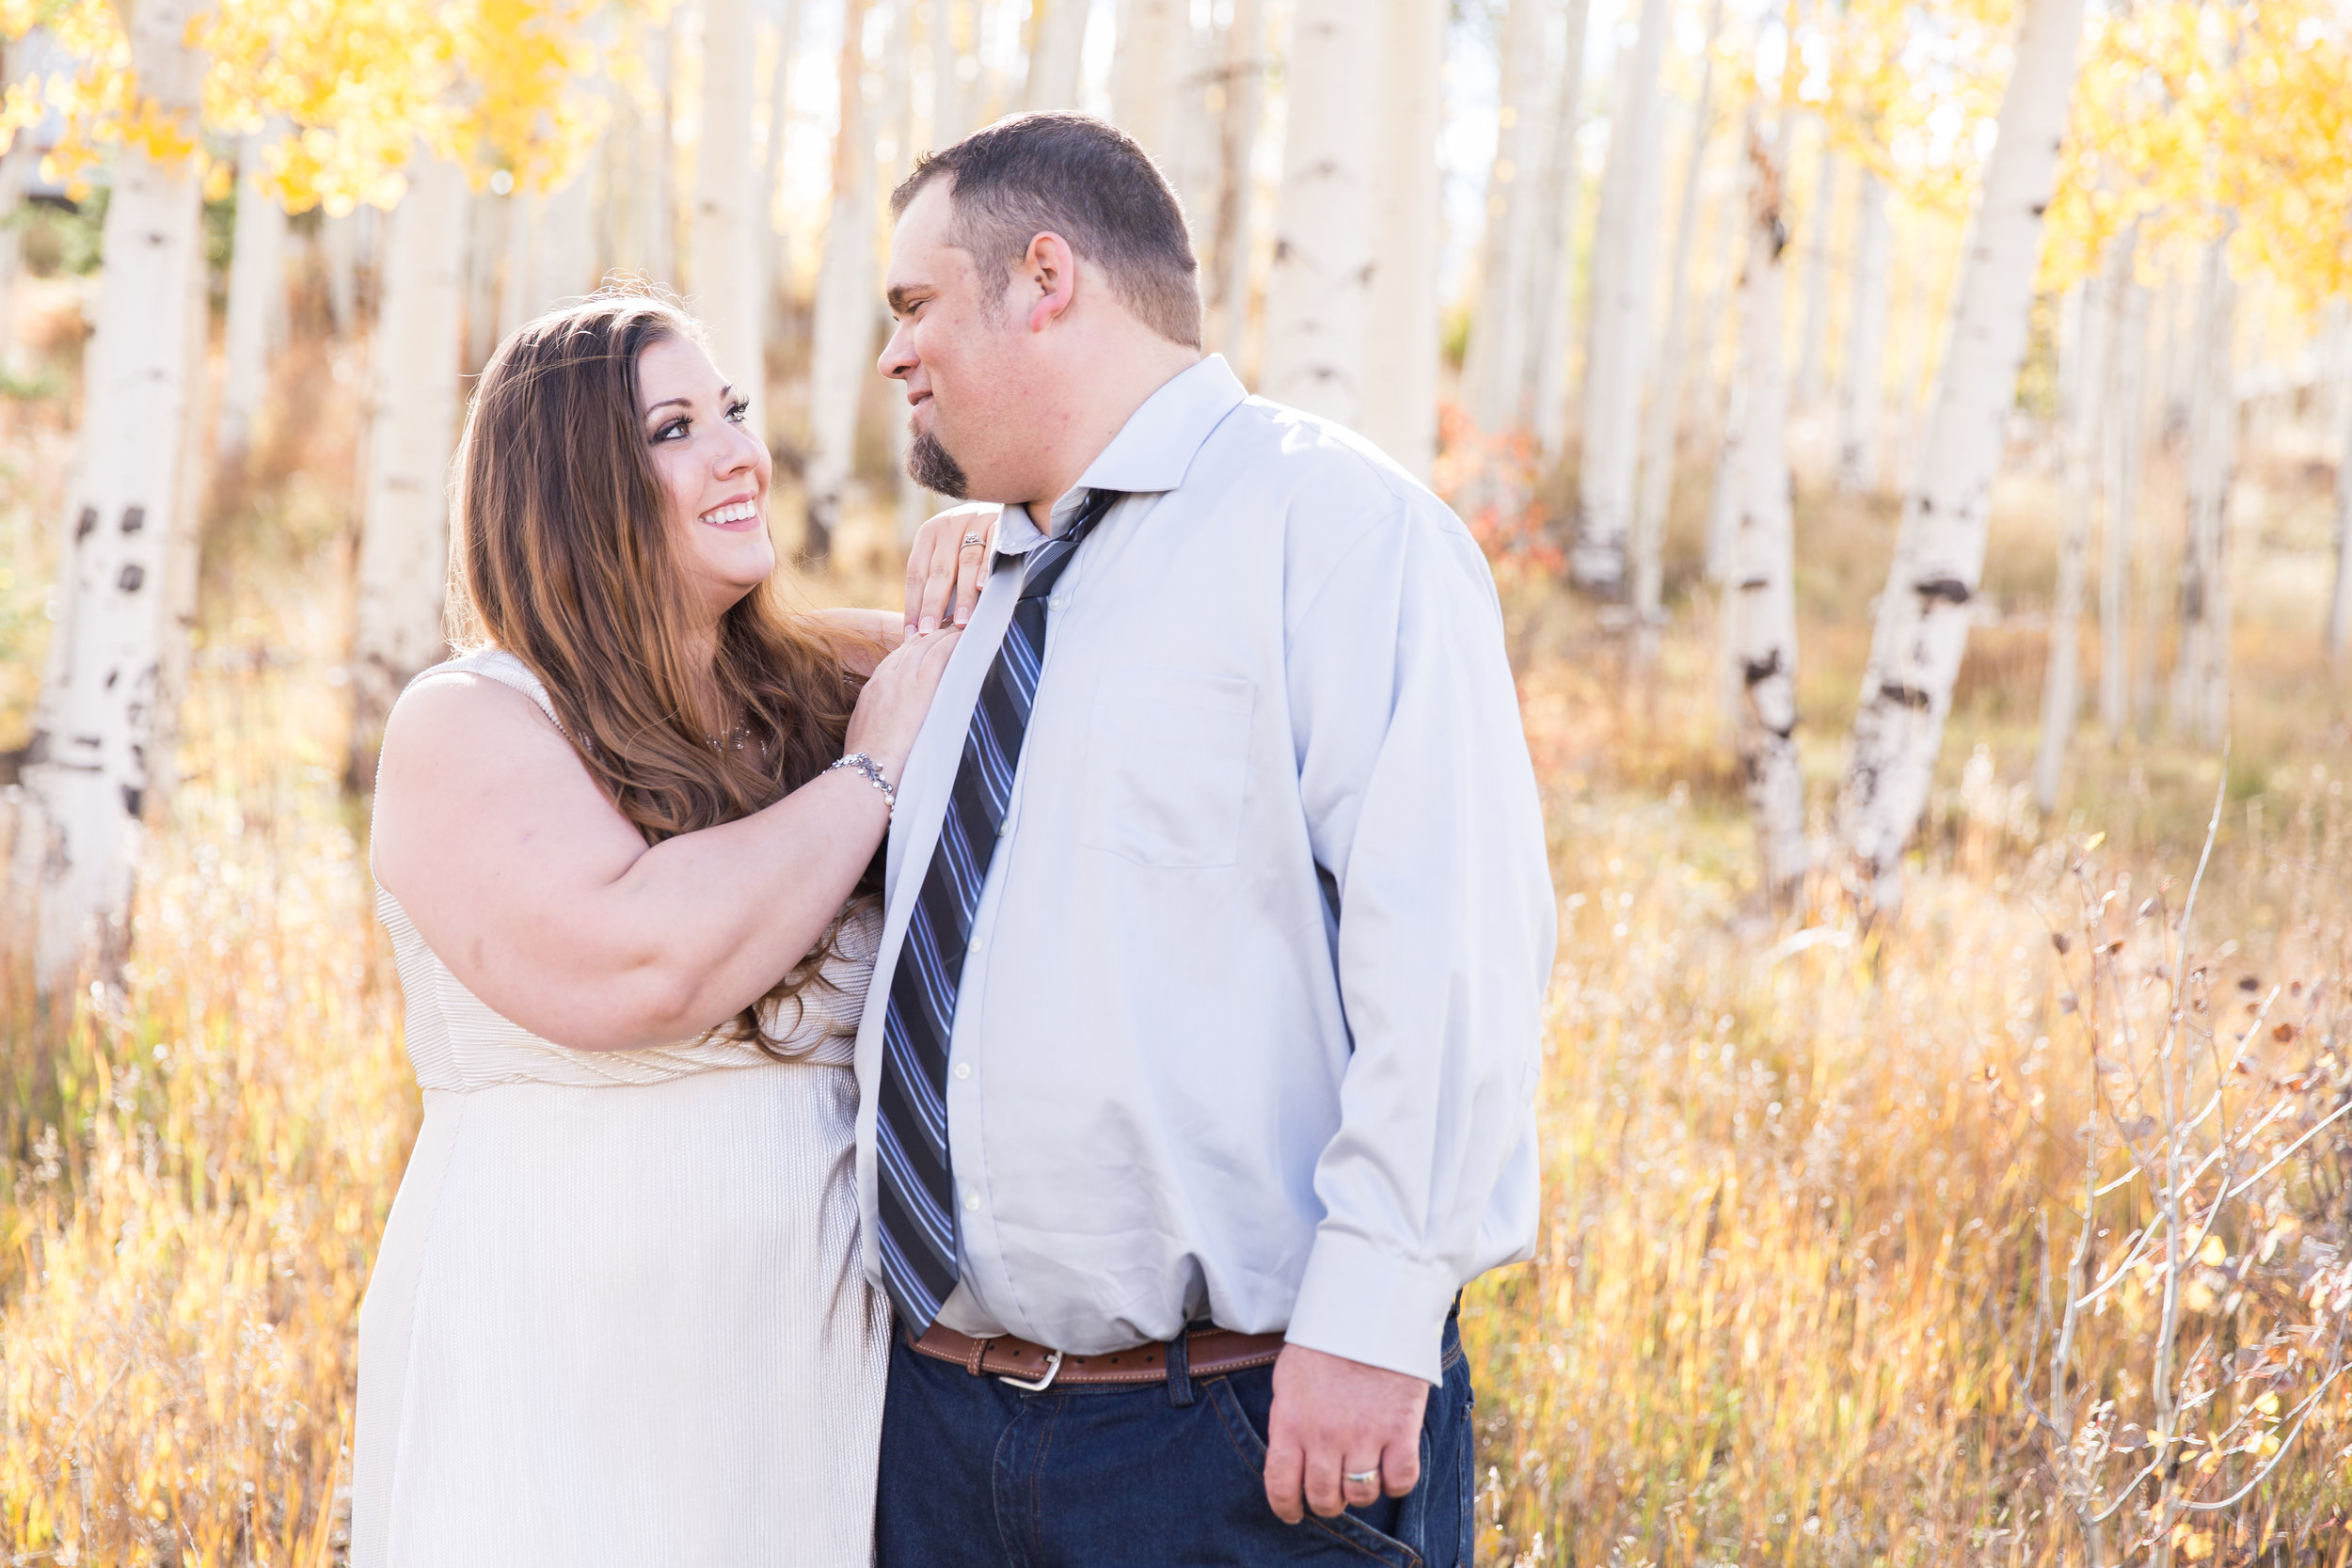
point(565, 556)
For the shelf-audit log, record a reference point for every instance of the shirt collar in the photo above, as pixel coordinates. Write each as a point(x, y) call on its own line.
point(1152, 452)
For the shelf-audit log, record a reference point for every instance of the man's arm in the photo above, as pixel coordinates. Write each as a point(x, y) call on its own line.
point(1421, 805)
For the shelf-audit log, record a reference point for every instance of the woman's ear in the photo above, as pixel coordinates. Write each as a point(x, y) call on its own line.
point(1053, 270)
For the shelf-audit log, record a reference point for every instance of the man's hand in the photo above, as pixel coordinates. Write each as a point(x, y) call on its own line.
point(1332, 1416)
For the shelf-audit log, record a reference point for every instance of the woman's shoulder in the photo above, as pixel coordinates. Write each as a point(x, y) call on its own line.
point(467, 702)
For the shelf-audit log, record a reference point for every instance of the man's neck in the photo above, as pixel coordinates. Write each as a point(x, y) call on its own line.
point(1124, 383)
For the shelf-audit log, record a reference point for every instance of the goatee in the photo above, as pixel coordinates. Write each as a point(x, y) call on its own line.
point(929, 465)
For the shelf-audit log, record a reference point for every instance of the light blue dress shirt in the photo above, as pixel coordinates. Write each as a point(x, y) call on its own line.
point(1250, 1024)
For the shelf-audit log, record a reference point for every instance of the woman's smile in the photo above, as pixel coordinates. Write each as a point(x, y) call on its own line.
point(738, 515)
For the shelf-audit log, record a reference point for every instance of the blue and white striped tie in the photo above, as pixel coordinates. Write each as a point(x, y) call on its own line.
point(916, 1182)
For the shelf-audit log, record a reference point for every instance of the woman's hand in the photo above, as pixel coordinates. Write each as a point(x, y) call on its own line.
point(945, 565)
point(890, 707)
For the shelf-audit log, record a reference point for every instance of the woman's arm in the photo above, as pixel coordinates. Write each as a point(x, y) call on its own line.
point(546, 904)
point(864, 636)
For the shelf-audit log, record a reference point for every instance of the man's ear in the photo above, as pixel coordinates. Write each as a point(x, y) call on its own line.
point(1052, 269)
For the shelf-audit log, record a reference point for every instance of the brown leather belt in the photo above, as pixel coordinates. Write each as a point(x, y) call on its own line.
point(1208, 1353)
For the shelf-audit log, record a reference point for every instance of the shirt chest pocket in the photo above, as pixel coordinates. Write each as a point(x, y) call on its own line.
point(1168, 767)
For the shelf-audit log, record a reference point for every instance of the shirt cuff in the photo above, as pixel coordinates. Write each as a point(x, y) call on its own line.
point(1368, 1305)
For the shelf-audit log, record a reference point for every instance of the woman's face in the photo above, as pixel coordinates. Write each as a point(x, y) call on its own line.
point(714, 471)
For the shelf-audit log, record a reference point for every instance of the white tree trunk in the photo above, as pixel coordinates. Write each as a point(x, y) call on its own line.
point(1555, 232)
point(1319, 299)
point(402, 585)
point(1760, 603)
point(1494, 369)
point(1058, 35)
point(913, 502)
point(339, 252)
point(2340, 602)
point(1624, 259)
point(100, 716)
point(728, 206)
point(1813, 353)
point(2200, 692)
point(1862, 386)
point(951, 95)
point(257, 286)
point(17, 168)
point(485, 225)
point(657, 192)
point(774, 245)
point(2085, 376)
point(1153, 61)
point(2121, 447)
point(1661, 426)
point(563, 243)
point(842, 347)
point(1923, 615)
point(1237, 134)
point(1401, 401)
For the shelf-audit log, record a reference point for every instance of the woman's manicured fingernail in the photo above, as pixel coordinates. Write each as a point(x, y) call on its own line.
point(931, 624)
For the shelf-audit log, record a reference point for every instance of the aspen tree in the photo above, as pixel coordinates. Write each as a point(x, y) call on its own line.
point(951, 95)
point(1813, 345)
point(1617, 352)
point(1862, 384)
point(402, 568)
point(257, 286)
point(1320, 294)
point(2085, 375)
point(1400, 413)
point(1660, 428)
point(842, 346)
point(1759, 601)
point(728, 206)
point(1237, 132)
point(1058, 35)
point(1153, 58)
point(1922, 627)
point(1493, 370)
point(774, 269)
point(2120, 448)
point(658, 192)
point(2200, 690)
point(339, 256)
point(100, 715)
point(913, 502)
point(1554, 317)
point(2340, 600)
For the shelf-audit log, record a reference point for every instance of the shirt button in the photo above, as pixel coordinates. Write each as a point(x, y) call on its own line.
point(1004, 828)
point(971, 1203)
point(964, 1069)
point(1057, 601)
point(978, 943)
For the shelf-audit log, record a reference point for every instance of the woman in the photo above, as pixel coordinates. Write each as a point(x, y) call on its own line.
point(627, 851)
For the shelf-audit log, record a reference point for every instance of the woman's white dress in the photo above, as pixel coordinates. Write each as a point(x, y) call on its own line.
point(618, 1315)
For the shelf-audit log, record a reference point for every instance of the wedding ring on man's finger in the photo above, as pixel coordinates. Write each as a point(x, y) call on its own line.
point(1360, 1478)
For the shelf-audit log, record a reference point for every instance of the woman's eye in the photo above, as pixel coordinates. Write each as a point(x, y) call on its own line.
point(738, 409)
point(674, 431)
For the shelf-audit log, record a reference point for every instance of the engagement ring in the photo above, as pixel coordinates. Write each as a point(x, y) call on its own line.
point(972, 539)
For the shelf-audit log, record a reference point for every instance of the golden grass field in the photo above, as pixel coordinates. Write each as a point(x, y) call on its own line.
point(1799, 1174)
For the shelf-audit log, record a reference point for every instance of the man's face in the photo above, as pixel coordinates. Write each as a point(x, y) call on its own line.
point(965, 354)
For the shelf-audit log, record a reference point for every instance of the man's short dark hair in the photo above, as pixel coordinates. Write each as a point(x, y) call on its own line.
point(1082, 179)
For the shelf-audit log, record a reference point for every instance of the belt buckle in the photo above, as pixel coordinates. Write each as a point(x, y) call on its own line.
point(1053, 1368)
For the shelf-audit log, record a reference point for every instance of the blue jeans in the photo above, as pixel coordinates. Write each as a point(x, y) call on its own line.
point(976, 1474)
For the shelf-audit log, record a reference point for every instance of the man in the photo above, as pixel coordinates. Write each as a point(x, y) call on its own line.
point(1197, 1072)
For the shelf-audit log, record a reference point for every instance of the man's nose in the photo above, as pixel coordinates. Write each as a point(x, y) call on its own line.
point(897, 356)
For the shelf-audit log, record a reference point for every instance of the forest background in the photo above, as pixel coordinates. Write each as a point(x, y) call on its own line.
point(1914, 447)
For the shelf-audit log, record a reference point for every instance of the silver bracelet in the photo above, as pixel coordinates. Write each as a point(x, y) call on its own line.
point(866, 767)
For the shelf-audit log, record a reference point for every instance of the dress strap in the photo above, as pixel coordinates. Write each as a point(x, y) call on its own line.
point(505, 669)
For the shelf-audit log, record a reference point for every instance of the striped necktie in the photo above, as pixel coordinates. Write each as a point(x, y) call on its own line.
point(915, 1183)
